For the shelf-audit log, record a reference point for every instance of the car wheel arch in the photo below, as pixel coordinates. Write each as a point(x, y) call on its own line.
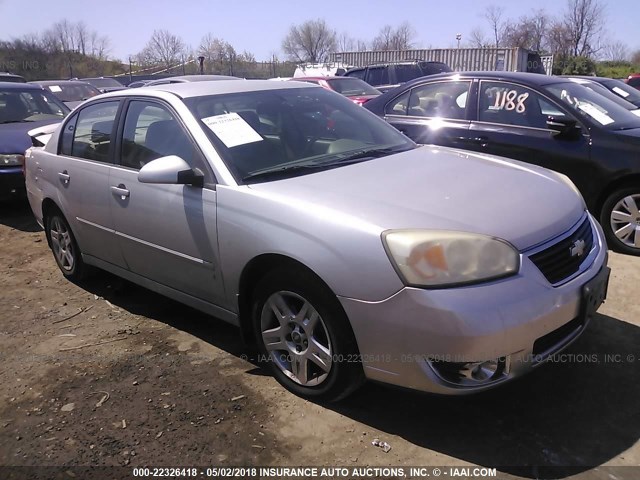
point(251, 274)
point(48, 207)
point(618, 184)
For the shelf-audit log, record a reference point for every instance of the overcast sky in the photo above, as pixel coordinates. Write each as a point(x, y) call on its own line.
point(258, 26)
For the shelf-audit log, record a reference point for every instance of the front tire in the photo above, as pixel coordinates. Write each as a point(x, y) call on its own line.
point(620, 220)
point(64, 247)
point(305, 336)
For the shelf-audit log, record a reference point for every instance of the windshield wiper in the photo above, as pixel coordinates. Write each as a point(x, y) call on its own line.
point(279, 172)
point(15, 121)
point(363, 154)
point(337, 160)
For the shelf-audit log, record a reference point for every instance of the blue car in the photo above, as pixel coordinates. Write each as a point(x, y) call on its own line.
point(23, 107)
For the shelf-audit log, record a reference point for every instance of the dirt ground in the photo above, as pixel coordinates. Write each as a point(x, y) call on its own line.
point(108, 373)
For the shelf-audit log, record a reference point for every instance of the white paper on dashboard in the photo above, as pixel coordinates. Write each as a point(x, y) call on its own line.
point(232, 129)
point(55, 88)
point(621, 92)
point(597, 115)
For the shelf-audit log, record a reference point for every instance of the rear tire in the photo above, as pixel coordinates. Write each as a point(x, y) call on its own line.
point(620, 220)
point(65, 249)
point(304, 335)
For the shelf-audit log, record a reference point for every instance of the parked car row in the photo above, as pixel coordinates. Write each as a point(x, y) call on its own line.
point(553, 122)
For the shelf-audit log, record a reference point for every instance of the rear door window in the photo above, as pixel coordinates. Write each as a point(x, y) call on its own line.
point(378, 76)
point(360, 73)
point(93, 135)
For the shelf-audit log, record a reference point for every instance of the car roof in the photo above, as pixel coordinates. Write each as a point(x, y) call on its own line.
point(531, 78)
point(587, 77)
point(200, 78)
point(320, 77)
point(218, 87)
point(59, 82)
point(19, 86)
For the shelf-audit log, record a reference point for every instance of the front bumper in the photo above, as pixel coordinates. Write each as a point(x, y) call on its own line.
point(400, 337)
point(11, 182)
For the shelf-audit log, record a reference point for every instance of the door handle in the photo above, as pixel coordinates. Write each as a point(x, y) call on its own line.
point(120, 191)
point(64, 176)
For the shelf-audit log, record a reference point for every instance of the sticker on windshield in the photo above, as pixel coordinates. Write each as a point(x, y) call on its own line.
point(621, 92)
point(232, 129)
point(510, 100)
point(595, 113)
point(55, 88)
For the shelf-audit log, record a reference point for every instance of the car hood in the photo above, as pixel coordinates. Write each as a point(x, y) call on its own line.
point(442, 189)
point(14, 137)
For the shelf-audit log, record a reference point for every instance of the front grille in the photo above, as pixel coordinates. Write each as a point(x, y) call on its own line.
point(563, 259)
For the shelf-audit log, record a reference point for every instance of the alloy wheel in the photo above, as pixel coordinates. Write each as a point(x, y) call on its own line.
point(625, 220)
point(61, 244)
point(296, 338)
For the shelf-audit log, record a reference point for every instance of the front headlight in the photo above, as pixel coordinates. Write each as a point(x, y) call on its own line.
point(426, 258)
point(11, 160)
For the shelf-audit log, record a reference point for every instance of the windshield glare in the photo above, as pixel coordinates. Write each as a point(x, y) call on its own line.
point(593, 106)
point(29, 106)
point(262, 130)
point(104, 82)
point(73, 93)
point(351, 87)
point(623, 90)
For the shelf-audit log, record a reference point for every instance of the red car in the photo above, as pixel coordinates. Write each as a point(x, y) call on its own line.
point(634, 80)
point(355, 89)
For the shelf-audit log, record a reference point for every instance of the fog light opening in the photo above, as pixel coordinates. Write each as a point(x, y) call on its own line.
point(471, 374)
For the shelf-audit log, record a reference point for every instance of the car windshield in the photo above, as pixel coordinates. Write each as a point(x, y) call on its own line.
point(29, 106)
point(73, 92)
point(605, 92)
point(623, 90)
point(103, 82)
point(593, 106)
point(292, 131)
point(351, 87)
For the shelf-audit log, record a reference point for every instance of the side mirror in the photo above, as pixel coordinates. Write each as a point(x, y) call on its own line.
point(562, 125)
point(170, 170)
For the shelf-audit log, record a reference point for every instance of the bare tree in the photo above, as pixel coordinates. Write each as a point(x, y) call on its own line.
point(345, 43)
point(494, 15)
point(311, 41)
point(477, 38)
point(615, 52)
point(384, 39)
point(558, 39)
point(399, 38)
point(635, 57)
point(528, 32)
point(81, 33)
point(163, 48)
point(215, 49)
point(362, 46)
point(584, 22)
point(99, 46)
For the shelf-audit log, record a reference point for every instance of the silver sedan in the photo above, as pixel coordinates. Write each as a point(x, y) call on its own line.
point(343, 250)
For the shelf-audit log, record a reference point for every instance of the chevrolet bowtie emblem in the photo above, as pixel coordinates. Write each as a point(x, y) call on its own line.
point(577, 248)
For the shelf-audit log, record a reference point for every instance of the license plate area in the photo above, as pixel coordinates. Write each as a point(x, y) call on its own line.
point(594, 294)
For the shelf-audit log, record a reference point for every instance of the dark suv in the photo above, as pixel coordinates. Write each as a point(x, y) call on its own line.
point(389, 75)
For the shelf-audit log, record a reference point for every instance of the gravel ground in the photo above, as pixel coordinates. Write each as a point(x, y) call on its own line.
point(108, 373)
